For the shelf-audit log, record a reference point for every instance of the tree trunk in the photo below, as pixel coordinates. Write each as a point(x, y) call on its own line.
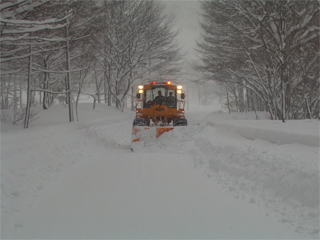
point(236, 94)
point(94, 103)
point(28, 105)
point(78, 96)
point(7, 93)
point(98, 86)
point(132, 98)
point(20, 94)
point(283, 100)
point(228, 101)
point(15, 102)
point(2, 92)
point(45, 94)
point(81, 82)
point(108, 87)
point(68, 77)
point(33, 93)
point(308, 108)
point(45, 100)
point(106, 100)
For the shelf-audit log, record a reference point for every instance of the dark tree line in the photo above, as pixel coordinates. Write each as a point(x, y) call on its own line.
point(265, 54)
point(135, 42)
point(61, 49)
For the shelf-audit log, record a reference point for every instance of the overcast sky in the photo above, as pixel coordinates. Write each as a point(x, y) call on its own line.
point(187, 18)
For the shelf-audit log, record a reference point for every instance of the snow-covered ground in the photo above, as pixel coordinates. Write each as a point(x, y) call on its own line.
point(223, 176)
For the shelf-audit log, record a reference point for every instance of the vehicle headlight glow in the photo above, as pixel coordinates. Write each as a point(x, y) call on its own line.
point(140, 91)
point(179, 87)
point(179, 91)
point(140, 86)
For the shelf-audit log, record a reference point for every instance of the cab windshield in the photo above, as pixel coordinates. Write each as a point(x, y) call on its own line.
point(160, 96)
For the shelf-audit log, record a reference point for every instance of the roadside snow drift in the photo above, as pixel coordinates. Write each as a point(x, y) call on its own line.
point(305, 132)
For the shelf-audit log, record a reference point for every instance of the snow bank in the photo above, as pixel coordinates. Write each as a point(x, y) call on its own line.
point(278, 161)
point(288, 174)
point(33, 158)
point(220, 115)
point(304, 132)
point(268, 161)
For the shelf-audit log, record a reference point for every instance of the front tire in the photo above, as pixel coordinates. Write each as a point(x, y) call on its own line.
point(180, 122)
point(140, 122)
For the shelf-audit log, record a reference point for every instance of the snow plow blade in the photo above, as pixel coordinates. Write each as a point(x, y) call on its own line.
point(142, 134)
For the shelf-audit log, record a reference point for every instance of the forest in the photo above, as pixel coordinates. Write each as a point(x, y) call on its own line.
point(51, 50)
point(263, 53)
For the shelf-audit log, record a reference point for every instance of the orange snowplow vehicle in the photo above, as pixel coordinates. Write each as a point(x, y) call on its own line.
point(159, 108)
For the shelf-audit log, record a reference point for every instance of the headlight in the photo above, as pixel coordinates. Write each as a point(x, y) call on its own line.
point(179, 91)
point(140, 87)
point(140, 91)
point(139, 105)
point(179, 87)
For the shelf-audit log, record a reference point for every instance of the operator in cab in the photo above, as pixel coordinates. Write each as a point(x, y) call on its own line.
point(159, 99)
point(171, 100)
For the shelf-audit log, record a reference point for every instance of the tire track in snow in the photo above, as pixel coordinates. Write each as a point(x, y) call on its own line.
point(270, 176)
point(262, 172)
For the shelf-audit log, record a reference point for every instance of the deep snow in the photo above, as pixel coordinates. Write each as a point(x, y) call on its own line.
point(220, 177)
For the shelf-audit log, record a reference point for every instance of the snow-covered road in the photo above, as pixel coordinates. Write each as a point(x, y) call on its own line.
point(82, 181)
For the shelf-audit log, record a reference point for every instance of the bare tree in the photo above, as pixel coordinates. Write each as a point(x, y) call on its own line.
point(136, 38)
point(265, 49)
point(27, 26)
